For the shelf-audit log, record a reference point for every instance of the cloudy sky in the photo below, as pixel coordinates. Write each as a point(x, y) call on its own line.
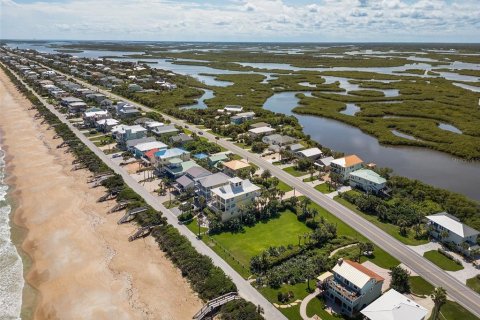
point(243, 20)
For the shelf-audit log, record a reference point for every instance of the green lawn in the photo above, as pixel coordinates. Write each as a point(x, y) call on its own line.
point(474, 284)
point(284, 187)
point(323, 188)
point(258, 238)
point(420, 286)
point(316, 307)
point(171, 204)
point(299, 290)
point(453, 311)
point(294, 172)
point(193, 226)
point(442, 261)
point(387, 227)
point(314, 178)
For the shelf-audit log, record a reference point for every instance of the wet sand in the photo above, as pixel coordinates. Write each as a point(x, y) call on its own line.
point(82, 264)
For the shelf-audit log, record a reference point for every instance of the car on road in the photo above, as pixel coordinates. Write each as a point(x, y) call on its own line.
point(200, 132)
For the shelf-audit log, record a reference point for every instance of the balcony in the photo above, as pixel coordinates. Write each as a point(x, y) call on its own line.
point(343, 290)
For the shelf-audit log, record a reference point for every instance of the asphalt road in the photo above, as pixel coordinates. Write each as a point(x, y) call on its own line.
point(438, 277)
point(245, 289)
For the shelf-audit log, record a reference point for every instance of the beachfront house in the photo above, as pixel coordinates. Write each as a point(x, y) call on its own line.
point(207, 183)
point(242, 117)
point(189, 180)
point(352, 286)
point(126, 133)
point(231, 168)
point(176, 167)
point(367, 180)
point(163, 157)
point(228, 200)
point(140, 149)
point(106, 125)
point(393, 305)
point(311, 153)
point(449, 229)
point(343, 166)
point(92, 115)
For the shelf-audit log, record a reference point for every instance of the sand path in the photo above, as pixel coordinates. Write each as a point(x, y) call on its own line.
point(83, 265)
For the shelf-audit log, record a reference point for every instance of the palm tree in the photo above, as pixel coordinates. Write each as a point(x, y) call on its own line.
point(465, 246)
point(311, 170)
point(439, 297)
point(443, 235)
point(305, 202)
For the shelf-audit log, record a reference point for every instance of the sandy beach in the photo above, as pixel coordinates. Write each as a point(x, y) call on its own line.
point(82, 263)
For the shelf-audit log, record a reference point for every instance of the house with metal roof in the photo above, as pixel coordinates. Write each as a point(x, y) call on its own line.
point(163, 157)
point(367, 180)
point(343, 166)
point(261, 131)
point(229, 199)
point(177, 167)
point(165, 130)
point(140, 149)
point(352, 286)
point(448, 228)
point(242, 117)
point(214, 159)
point(393, 305)
point(207, 183)
point(311, 153)
point(278, 139)
point(127, 133)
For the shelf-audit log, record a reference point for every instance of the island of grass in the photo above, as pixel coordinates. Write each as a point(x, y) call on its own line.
point(442, 261)
point(474, 283)
point(295, 172)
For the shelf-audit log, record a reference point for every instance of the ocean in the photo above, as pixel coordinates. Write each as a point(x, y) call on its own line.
point(11, 266)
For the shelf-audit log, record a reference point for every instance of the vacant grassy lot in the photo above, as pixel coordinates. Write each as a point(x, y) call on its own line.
point(474, 284)
point(453, 311)
point(324, 188)
point(442, 261)
point(263, 235)
point(284, 187)
point(387, 227)
point(294, 172)
point(420, 286)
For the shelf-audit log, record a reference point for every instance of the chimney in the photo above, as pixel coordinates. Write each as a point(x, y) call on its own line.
point(340, 261)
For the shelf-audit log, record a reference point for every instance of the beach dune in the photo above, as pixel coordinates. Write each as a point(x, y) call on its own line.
point(82, 263)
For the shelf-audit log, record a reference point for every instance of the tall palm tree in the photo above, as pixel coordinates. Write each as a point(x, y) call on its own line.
point(439, 297)
point(305, 202)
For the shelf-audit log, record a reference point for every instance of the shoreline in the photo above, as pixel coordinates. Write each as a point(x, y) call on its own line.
point(70, 248)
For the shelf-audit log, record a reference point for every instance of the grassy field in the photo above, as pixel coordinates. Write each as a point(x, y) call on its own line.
point(294, 172)
point(420, 286)
point(453, 311)
point(442, 261)
point(284, 187)
point(260, 237)
point(474, 284)
point(315, 307)
point(324, 188)
point(387, 227)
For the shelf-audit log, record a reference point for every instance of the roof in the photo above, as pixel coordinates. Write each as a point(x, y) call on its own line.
point(150, 154)
point(108, 122)
point(297, 147)
point(182, 167)
point(311, 152)
point(200, 156)
point(185, 181)
point(165, 129)
point(453, 224)
point(182, 137)
point(218, 157)
point(230, 191)
point(236, 165)
point(325, 161)
point(280, 138)
point(214, 180)
point(233, 108)
point(90, 114)
point(170, 153)
point(146, 146)
point(261, 130)
point(355, 273)
point(197, 172)
point(394, 306)
point(259, 124)
point(134, 142)
point(133, 129)
point(369, 175)
point(245, 114)
point(348, 161)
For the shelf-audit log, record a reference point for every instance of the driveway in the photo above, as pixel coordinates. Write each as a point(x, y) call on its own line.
point(384, 273)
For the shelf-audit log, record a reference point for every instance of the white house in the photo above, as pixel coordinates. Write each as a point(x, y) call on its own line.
point(228, 199)
point(91, 116)
point(106, 125)
point(125, 133)
point(456, 232)
point(343, 166)
point(163, 157)
point(278, 139)
point(261, 131)
point(367, 180)
point(394, 306)
point(352, 286)
point(311, 153)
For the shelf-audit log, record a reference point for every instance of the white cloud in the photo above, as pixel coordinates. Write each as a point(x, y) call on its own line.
point(243, 20)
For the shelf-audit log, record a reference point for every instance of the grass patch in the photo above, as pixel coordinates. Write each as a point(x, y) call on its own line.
point(294, 172)
point(299, 290)
point(324, 188)
point(474, 284)
point(442, 261)
point(171, 204)
point(261, 236)
point(420, 286)
point(284, 187)
point(387, 227)
point(310, 179)
point(453, 311)
point(316, 307)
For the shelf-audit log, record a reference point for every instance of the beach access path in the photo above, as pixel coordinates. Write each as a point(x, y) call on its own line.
point(456, 290)
point(245, 289)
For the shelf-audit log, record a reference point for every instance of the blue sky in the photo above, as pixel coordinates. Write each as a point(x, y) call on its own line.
point(243, 20)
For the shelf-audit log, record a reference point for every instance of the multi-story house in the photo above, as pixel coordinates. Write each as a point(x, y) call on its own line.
point(126, 133)
point(352, 286)
point(343, 166)
point(228, 200)
point(448, 228)
point(367, 180)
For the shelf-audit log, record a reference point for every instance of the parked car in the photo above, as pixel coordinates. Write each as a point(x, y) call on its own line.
point(200, 132)
point(117, 155)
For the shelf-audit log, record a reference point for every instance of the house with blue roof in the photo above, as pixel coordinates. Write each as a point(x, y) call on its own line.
point(163, 157)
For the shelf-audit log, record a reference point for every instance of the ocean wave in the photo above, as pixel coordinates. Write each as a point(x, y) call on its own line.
point(11, 266)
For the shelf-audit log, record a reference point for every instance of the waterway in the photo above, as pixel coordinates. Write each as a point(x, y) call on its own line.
point(436, 168)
